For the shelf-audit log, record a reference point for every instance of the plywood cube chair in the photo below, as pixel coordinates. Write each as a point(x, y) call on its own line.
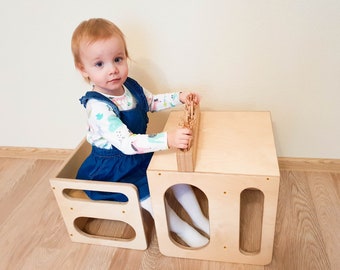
point(78, 210)
point(236, 168)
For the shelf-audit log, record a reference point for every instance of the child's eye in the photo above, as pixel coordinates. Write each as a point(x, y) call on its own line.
point(118, 59)
point(99, 64)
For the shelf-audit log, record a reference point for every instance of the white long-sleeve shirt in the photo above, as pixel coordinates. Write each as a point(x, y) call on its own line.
point(106, 129)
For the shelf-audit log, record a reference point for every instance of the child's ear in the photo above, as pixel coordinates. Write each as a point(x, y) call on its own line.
point(82, 71)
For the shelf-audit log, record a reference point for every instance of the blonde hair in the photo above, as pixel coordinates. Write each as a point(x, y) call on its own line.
point(91, 31)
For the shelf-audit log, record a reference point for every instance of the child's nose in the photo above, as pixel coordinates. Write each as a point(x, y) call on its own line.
point(113, 69)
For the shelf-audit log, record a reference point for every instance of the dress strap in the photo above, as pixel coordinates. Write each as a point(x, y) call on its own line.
point(98, 96)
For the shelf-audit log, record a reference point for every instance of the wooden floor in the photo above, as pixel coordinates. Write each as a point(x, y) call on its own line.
point(33, 235)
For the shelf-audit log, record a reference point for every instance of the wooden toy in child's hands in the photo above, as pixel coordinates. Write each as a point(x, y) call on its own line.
point(186, 157)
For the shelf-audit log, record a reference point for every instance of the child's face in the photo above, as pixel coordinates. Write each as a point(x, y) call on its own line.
point(104, 62)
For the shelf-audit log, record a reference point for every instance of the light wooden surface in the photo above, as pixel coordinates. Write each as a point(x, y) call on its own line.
point(33, 152)
point(78, 210)
point(33, 234)
point(186, 158)
point(236, 145)
point(235, 153)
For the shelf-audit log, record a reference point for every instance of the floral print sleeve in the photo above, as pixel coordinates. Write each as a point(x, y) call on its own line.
point(161, 101)
point(106, 129)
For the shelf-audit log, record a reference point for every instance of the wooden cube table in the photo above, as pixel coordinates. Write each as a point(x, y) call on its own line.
point(237, 170)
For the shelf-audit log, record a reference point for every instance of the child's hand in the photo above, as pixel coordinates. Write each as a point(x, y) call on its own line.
point(195, 97)
point(179, 138)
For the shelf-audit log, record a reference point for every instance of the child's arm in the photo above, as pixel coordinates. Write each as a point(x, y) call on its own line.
point(179, 138)
point(169, 100)
point(106, 129)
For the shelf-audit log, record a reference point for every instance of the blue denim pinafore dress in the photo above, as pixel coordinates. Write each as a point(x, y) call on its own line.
point(112, 165)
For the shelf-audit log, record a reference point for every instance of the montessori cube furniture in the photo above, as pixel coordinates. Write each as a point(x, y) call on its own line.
point(236, 169)
point(233, 169)
point(77, 209)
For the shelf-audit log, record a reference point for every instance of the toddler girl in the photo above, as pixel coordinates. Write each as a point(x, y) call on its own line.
point(117, 109)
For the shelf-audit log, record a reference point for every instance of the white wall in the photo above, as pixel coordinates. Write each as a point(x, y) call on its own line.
point(282, 56)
